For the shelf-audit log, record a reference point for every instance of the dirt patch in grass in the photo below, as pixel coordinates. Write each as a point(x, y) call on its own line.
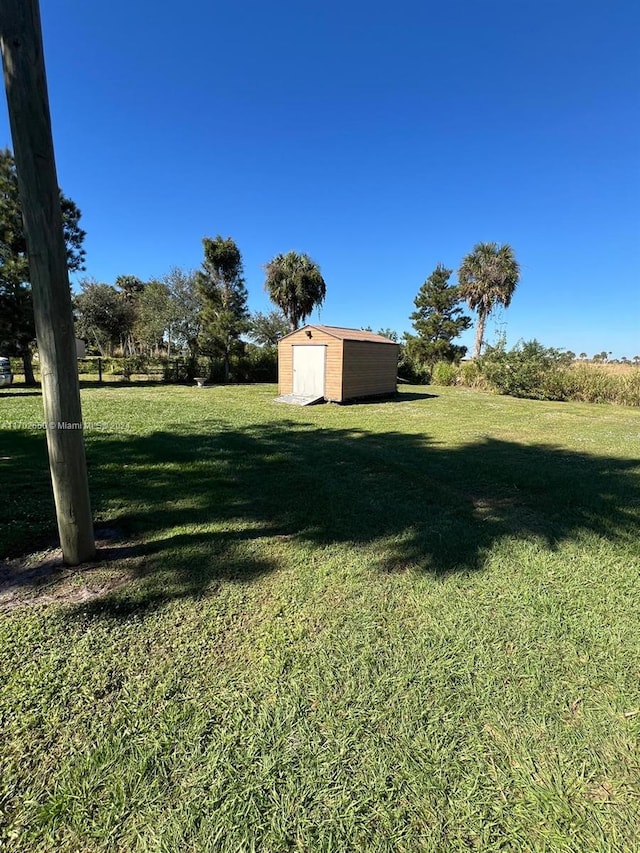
point(42, 577)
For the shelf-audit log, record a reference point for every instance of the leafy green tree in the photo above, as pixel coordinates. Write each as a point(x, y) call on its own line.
point(267, 329)
point(295, 284)
point(157, 316)
point(187, 311)
point(488, 277)
point(17, 330)
point(225, 316)
point(438, 319)
point(103, 316)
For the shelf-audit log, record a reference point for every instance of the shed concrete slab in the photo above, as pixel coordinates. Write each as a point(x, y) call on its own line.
point(298, 400)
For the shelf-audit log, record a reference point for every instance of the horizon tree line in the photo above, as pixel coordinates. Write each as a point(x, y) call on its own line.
point(206, 311)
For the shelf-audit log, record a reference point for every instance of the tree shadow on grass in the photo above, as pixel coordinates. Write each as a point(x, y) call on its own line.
point(206, 507)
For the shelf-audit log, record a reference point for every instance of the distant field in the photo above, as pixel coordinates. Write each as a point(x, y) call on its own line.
point(399, 626)
point(610, 367)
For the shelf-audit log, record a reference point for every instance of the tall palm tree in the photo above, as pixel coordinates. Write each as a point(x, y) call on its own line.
point(488, 277)
point(294, 283)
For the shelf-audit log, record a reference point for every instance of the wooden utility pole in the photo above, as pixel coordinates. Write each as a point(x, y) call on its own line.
point(26, 86)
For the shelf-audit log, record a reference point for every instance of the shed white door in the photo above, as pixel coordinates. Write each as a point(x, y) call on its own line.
point(308, 370)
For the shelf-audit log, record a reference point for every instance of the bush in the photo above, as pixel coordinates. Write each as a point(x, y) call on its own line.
point(528, 370)
point(258, 364)
point(444, 373)
point(469, 375)
point(410, 367)
point(134, 364)
point(543, 373)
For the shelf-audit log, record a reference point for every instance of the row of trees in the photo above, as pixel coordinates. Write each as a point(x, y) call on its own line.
point(138, 317)
point(206, 312)
point(203, 312)
point(487, 278)
point(603, 357)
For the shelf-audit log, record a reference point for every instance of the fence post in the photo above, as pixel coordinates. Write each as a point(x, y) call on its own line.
point(99, 371)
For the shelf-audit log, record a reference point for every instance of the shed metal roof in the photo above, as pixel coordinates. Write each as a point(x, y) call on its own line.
point(345, 334)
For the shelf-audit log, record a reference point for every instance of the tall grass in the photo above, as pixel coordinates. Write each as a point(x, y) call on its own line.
point(578, 382)
point(590, 384)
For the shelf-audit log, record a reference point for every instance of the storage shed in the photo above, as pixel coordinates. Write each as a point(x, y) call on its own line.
point(336, 364)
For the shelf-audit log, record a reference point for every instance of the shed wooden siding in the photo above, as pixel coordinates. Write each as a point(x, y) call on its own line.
point(333, 364)
point(369, 369)
point(358, 363)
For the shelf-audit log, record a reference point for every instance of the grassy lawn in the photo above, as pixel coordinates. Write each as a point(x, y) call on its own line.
point(405, 626)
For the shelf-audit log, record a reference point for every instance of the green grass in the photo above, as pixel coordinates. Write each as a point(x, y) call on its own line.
point(403, 626)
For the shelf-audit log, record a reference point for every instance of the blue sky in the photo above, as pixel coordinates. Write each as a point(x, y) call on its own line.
point(381, 139)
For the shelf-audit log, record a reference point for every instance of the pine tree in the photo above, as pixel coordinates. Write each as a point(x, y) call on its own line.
point(438, 319)
point(17, 329)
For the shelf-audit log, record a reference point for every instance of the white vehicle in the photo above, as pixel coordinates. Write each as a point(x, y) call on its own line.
point(6, 376)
